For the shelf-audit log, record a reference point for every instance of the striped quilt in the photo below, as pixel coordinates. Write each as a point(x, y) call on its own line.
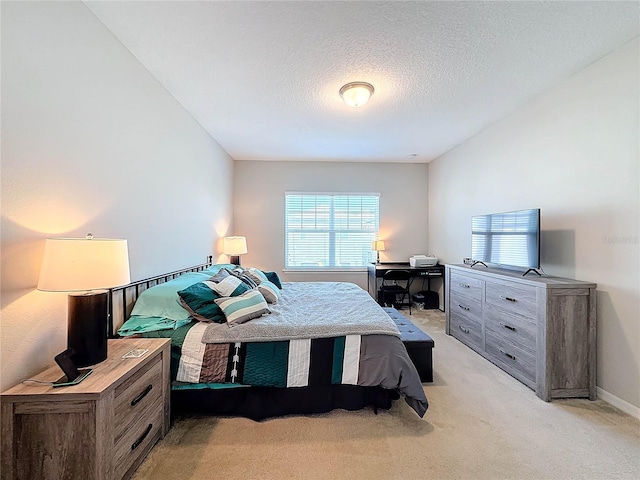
point(287, 363)
point(365, 360)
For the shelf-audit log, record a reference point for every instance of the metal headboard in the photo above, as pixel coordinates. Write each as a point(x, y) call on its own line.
point(122, 299)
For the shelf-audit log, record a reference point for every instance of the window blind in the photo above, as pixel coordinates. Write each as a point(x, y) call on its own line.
point(330, 230)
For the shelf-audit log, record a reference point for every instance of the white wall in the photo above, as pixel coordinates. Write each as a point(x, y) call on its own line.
point(573, 152)
point(259, 189)
point(92, 142)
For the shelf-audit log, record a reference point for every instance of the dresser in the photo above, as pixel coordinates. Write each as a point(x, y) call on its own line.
point(101, 428)
point(540, 330)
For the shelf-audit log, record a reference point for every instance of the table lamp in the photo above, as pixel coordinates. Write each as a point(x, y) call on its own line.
point(86, 267)
point(234, 247)
point(378, 246)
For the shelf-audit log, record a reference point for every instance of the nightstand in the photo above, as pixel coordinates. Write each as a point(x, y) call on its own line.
point(101, 428)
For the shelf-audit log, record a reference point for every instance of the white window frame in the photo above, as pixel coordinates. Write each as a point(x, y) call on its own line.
point(331, 231)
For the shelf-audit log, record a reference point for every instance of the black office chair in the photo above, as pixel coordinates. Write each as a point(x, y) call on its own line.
point(391, 289)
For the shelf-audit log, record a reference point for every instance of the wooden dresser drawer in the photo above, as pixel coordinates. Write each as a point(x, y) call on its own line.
point(468, 286)
point(465, 306)
point(467, 331)
point(138, 439)
point(520, 300)
point(520, 364)
point(517, 330)
point(136, 395)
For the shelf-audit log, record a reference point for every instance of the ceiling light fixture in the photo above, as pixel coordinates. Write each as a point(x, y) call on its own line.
point(356, 94)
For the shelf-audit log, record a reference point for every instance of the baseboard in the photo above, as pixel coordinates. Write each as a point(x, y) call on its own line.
point(626, 407)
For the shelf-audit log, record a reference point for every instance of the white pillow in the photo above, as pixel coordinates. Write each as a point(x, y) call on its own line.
point(226, 286)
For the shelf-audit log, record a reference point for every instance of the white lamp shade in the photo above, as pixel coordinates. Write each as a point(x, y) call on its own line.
point(234, 245)
point(378, 245)
point(80, 264)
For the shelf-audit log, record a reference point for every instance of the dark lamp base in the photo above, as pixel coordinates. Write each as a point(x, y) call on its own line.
point(87, 328)
point(234, 259)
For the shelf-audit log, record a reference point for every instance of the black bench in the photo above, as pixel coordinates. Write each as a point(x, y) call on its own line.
point(419, 345)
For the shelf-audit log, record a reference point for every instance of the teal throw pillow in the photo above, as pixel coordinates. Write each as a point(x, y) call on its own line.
point(199, 301)
point(274, 278)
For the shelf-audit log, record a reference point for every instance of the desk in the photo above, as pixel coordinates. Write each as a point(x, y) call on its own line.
point(375, 271)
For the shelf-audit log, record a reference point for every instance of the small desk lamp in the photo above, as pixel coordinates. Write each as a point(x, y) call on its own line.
point(378, 246)
point(234, 247)
point(85, 266)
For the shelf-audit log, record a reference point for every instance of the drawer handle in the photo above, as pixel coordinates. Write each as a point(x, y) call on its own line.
point(508, 327)
point(463, 285)
point(463, 307)
point(137, 443)
point(144, 393)
point(465, 330)
point(508, 299)
point(508, 355)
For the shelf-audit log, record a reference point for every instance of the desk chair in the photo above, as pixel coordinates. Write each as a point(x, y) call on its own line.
point(390, 287)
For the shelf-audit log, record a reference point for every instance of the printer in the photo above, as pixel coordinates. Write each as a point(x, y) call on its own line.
point(423, 261)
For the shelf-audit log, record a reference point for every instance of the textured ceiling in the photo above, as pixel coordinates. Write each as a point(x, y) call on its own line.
point(263, 77)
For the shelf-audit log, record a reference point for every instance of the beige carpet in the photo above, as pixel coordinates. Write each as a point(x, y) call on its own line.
point(481, 424)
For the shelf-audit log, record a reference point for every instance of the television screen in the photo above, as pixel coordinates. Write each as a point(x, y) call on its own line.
point(509, 239)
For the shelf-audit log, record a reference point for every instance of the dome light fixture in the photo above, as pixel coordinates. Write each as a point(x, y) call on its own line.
point(356, 94)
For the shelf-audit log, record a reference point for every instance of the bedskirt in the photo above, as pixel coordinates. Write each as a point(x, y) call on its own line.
point(259, 403)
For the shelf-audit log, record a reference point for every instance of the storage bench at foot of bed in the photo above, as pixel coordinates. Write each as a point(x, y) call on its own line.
point(419, 345)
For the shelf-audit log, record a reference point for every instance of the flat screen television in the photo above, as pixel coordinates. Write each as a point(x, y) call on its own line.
point(508, 239)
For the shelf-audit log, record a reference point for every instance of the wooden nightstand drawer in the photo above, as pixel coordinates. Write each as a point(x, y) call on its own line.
point(135, 396)
point(138, 439)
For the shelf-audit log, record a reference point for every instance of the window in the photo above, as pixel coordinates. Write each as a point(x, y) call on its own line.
point(330, 230)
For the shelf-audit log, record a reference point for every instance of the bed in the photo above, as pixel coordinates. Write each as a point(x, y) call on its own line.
point(319, 346)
